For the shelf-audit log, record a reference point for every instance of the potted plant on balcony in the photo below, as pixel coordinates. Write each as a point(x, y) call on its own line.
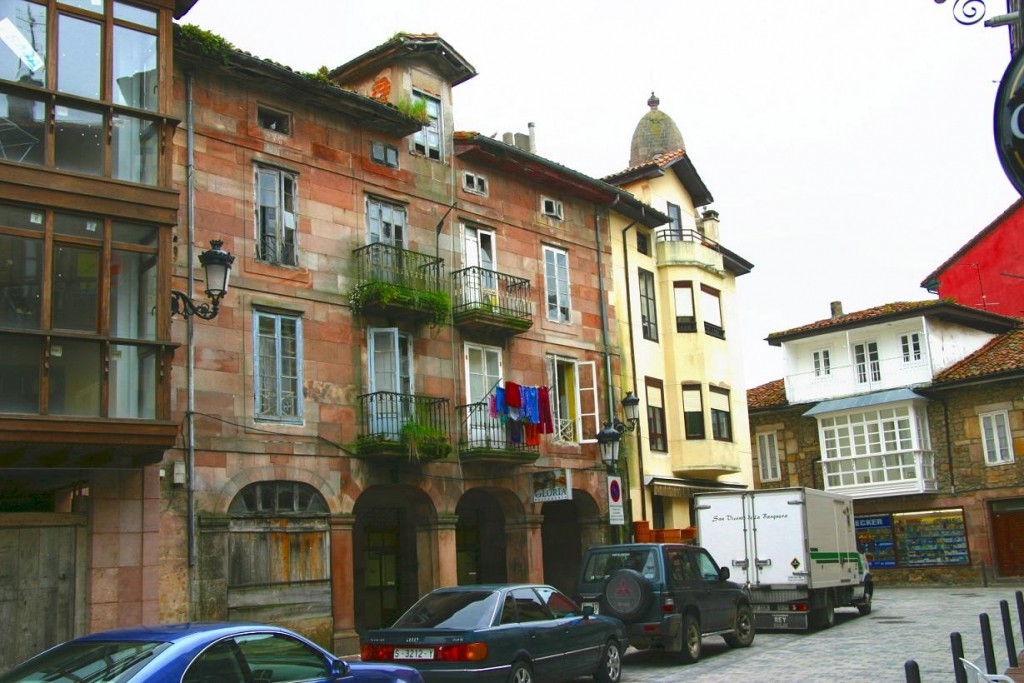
point(425, 441)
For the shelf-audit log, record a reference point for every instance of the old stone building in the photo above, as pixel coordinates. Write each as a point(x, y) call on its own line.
point(404, 387)
point(929, 456)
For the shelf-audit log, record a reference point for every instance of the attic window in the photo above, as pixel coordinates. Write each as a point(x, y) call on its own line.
point(427, 140)
point(273, 120)
point(472, 182)
point(551, 207)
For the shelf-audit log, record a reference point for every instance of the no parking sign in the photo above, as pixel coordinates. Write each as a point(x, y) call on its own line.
point(616, 514)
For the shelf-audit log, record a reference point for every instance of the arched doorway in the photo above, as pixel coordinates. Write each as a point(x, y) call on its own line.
point(569, 527)
point(278, 550)
point(388, 574)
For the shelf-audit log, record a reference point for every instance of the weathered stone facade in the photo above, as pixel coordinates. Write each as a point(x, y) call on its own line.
point(965, 481)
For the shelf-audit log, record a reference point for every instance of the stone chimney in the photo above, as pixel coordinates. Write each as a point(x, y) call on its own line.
point(837, 309)
point(707, 225)
point(524, 141)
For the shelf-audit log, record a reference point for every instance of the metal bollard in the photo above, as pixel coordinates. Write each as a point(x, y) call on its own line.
point(956, 645)
point(1011, 647)
point(912, 671)
point(1020, 613)
point(986, 641)
point(984, 574)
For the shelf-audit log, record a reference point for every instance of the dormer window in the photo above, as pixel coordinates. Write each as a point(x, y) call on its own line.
point(474, 183)
point(551, 208)
point(275, 121)
point(427, 140)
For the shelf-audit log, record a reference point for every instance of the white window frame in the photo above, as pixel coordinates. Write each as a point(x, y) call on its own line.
point(557, 285)
point(552, 208)
point(869, 369)
point(474, 183)
point(998, 448)
point(768, 456)
point(822, 361)
point(279, 412)
point(567, 403)
point(378, 227)
point(285, 221)
point(388, 417)
point(428, 141)
point(711, 311)
point(911, 348)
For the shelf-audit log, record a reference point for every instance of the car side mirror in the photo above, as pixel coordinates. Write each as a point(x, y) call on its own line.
point(340, 669)
point(588, 611)
point(723, 573)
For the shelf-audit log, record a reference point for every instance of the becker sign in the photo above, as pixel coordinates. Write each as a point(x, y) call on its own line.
point(1009, 121)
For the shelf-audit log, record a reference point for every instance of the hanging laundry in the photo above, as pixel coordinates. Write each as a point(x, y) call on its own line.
point(547, 425)
point(531, 408)
point(532, 432)
point(513, 397)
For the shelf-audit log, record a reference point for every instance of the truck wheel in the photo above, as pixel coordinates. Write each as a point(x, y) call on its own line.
point(743, 630)
point(626, 595)
point(864, 606)
point(690, 651)
point(825, 616)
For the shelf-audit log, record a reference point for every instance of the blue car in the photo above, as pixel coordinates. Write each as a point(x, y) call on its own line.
point(501, 633)
point(200, 653)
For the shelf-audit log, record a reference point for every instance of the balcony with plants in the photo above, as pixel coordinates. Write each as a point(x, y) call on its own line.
point(394, 282)
point(394, 426)
point(489, 301)
point(484, 438)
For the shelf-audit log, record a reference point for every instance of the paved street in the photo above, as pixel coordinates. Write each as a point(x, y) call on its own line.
point(906, 623)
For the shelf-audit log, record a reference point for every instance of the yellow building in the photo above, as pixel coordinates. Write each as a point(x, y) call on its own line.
point(678, 317)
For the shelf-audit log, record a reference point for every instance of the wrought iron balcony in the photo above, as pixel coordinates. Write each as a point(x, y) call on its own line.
point(483, 438)
point(392, 281)
point(486, 300)
point(394, 425)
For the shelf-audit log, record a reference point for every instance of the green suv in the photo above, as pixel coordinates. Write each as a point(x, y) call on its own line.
point(669, 595)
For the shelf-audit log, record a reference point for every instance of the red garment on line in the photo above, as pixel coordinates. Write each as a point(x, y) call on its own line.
point(547, 424)
point(513, 398)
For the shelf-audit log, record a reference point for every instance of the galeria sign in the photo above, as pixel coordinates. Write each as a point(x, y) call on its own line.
point(1009, 121)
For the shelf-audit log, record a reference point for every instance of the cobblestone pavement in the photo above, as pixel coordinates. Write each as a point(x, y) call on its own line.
point(905, 624)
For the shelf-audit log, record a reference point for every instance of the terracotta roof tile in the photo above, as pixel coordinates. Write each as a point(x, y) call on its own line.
point(663, 161)
point(770, 395)
point(867, 314)
point(1005, 353)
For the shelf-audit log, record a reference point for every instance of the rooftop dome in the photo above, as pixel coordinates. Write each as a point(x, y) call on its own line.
point(656, 134)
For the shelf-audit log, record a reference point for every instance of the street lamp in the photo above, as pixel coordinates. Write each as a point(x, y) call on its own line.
point(608, 440)
point(631, 409)
point(217, 265)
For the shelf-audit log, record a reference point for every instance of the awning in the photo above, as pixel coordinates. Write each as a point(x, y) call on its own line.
point(674, 487)
point(863, 401)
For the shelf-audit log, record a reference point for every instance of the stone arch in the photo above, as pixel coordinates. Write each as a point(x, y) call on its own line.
point(222, 498)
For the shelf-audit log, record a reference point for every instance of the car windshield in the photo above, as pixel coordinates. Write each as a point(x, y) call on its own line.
point(451, 609)
point(88, 662)
point(602, 564)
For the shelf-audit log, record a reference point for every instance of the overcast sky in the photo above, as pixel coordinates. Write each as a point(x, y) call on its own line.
point(848, 145)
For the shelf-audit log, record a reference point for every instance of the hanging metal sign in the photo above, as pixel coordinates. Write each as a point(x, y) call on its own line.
point(1009, 121)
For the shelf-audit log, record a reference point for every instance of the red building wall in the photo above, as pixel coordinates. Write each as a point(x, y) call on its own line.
point(988, 271)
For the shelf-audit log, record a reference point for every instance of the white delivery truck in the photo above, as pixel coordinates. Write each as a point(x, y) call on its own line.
point(795, 549)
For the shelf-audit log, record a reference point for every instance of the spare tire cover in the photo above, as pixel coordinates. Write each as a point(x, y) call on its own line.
point(626, 594)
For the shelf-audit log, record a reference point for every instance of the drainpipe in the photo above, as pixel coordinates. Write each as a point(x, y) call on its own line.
point(632, 361)
point(604, 316)
point(190, 444)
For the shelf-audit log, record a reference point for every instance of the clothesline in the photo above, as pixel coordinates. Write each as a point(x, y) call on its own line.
point(525, 410)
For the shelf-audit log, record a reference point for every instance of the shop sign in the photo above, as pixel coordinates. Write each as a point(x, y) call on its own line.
point(1009, 121)
point(552, 485)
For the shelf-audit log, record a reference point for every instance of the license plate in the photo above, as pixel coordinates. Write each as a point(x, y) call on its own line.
point(593, 606)
point(414, 653)
point(761, 608)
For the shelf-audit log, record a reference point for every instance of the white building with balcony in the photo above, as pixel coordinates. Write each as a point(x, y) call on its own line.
point(859, 376)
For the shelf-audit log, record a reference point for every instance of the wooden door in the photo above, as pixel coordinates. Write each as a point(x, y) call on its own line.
point(1008, 528)
point(37, 589)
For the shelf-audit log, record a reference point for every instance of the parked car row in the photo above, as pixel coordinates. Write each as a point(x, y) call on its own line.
point(666, 596)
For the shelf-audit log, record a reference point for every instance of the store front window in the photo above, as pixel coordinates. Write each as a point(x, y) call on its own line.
point(914, 539)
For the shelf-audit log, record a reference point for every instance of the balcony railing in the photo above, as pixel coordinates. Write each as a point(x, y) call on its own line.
point(686, 246)
point(483, 438)
point(394, 425)
point(392, 280)
point(489, 299)
point(873, 476)
point(844, 380)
